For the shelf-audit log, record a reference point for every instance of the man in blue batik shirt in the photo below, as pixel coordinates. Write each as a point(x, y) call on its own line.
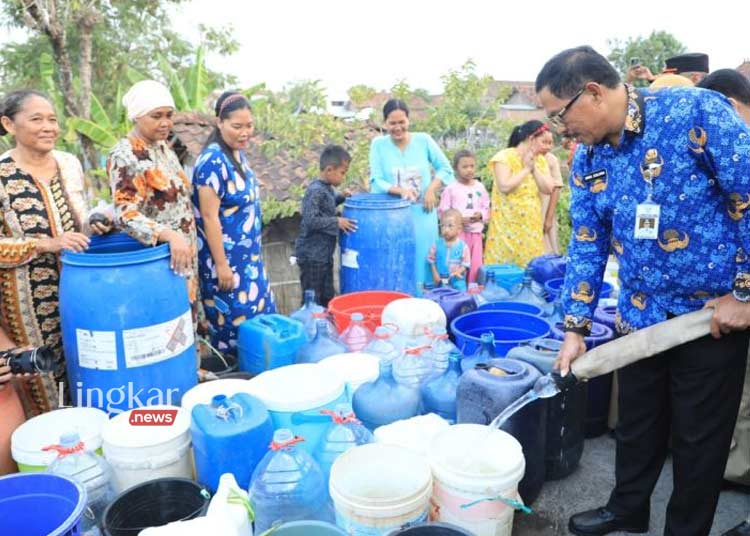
point(663, 179)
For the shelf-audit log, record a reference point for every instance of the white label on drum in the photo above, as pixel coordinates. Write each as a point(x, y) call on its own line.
point(349, 259)
point(96, 349)
point(145, 346)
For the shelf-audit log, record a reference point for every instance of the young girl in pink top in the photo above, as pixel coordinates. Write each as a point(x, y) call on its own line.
point(469, 196)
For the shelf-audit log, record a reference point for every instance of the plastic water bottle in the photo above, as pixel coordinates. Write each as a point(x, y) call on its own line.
point(439, 394)
point(345, 432)
point(305, 314)
point(321, 345)
point(385, 400)
point(475, 291)
point(383, 344)
point(91, 471)
point(414, 367)
point(288, 485)
point(492, 291)
point(442, 347)
point(483, 353)
point(557, 314)
point(356, 335)
point(333, 332)
point(525, 292)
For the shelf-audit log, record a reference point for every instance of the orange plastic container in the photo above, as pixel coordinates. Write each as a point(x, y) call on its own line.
point(12, 417)
point(369, 302)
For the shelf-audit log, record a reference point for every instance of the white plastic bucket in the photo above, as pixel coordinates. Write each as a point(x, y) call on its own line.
point(379, 488)
point(204, 392)
point(415, 318)
point(354, 369)
point(295, 395)
point(139, 453)
point(31, 437)
point(416, 433)
point(459, 480)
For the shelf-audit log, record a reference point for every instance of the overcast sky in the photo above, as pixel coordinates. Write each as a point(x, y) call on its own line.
point(378, 42)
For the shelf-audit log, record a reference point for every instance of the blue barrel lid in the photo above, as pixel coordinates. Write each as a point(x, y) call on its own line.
point(376, 201)
point(117, 249)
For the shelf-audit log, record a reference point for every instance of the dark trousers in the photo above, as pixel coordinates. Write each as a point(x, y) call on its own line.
point(693, 392)
point(317, 276)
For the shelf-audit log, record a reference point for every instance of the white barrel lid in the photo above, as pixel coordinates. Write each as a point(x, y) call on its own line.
point(296, 387)
point(31, 437)
point(118, 432)
point(204, 392)
point(353, 367)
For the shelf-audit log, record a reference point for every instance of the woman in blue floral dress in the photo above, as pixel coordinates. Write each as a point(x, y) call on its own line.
point(234, 283)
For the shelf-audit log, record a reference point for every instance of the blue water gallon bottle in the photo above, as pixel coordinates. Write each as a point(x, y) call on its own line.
point(385, 400)
point(483, 353)
point(306, 313)
point(230, 435)
point(321, 346)
point(345, 432)
point(439, 394)
point(288, 485)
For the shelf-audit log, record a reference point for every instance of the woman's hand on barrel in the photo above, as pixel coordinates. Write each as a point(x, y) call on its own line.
point(225, 276)
point(72, 241)
point(181, 254)
point(573, 347)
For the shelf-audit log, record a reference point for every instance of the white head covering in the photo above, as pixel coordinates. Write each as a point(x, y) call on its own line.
point(145, 96)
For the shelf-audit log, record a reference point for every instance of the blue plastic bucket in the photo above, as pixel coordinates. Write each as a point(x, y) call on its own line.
point(515, 307)
point(381, 253)
point(506, 275)
point(510, 329)
point(308, 528)
point(127, 328)
point(295, 395)
point(40, 503)
point(554, 286)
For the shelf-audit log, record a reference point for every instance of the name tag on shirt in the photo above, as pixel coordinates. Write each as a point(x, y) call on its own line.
point(598, 175)
point(647, 221)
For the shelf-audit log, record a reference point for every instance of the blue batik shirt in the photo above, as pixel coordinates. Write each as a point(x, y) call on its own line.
point(698, 151)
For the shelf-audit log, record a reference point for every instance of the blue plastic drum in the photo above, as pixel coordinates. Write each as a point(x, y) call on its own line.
point(127, 327)
point(381, 253)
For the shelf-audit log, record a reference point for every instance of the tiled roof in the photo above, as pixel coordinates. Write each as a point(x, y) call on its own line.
point(276, 174)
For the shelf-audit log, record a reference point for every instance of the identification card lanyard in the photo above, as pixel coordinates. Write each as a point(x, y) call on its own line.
point(647, 213)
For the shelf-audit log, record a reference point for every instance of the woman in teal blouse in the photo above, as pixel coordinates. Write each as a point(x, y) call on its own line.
point(402, 163)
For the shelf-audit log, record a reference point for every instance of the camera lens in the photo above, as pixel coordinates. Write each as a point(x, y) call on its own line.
point(40, 359)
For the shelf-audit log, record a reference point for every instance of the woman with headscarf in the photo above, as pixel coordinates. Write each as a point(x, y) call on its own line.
point(150, 191)
point(515, 233)
point(234, 283)
point(43, 212)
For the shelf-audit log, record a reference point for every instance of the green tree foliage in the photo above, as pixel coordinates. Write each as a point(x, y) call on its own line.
point(652, 51)
point(122, 38)
point(361, 93)
point(466, 116)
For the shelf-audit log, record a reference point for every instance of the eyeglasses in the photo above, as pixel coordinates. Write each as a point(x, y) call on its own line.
point(558, 119)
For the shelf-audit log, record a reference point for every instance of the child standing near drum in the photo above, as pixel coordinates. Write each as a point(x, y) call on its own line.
point(469, 196)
